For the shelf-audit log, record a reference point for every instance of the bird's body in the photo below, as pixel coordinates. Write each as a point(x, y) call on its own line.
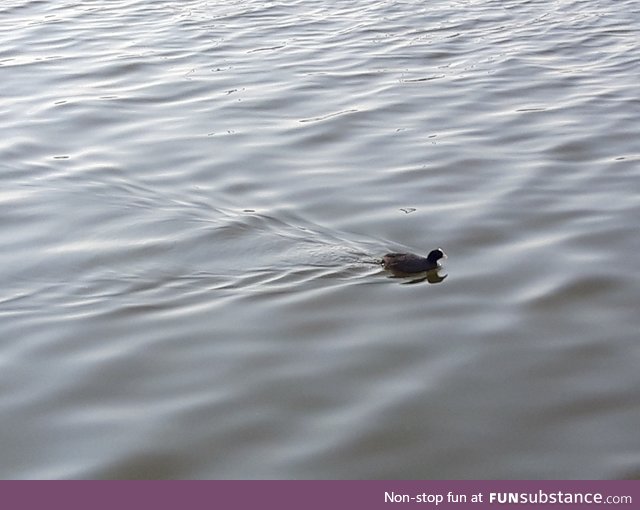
point(407, 263)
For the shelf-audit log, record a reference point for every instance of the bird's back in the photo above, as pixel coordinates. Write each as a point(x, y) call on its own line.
point(405, 262)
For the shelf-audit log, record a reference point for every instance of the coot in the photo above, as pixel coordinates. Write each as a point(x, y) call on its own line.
point(410, 263)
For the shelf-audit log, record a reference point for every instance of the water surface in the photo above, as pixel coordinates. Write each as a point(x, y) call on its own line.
point(194, 194)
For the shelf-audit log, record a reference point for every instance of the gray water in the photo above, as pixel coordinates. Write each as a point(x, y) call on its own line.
point(193, 196)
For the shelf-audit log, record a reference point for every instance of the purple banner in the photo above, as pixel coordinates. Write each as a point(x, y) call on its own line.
point(316, 495)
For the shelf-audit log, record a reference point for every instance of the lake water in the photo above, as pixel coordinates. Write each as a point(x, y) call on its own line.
point(193, 197)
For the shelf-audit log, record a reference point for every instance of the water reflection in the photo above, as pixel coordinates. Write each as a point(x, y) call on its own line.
point(432, 277)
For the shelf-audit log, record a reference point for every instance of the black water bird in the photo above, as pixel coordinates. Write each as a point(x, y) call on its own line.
point(408, 263)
